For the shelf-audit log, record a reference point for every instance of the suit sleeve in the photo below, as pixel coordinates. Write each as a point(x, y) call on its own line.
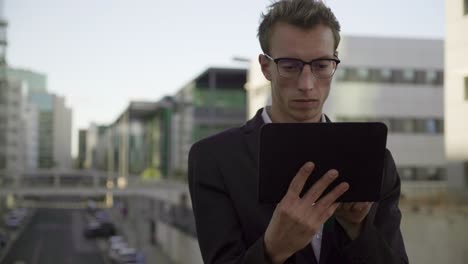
point(218, 228)
point(380, 240)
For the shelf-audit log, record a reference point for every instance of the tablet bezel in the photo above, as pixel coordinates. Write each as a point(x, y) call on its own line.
point(285, 147)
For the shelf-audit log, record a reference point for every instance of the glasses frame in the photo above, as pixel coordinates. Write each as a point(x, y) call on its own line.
point(337, 61)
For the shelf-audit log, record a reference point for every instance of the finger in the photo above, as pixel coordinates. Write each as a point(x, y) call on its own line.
point(328, 212)
point(297, 183)
point(332, 196)
point(360, 206)
point(367, 206)
point(340, 207)
point(348, 206)
point(319, 187)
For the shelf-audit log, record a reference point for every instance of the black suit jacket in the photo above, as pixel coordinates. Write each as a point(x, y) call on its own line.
point(223, 176)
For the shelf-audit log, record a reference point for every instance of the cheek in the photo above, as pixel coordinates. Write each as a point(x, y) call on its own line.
point(285, 87)
point(325, 88)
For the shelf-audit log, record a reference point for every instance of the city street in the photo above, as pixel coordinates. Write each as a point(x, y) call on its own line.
point(55, 236)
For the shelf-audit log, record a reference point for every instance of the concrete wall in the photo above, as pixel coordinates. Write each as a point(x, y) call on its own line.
point(171, 242)
point(456, 70)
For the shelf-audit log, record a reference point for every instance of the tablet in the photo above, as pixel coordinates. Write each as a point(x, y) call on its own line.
point(356, 150)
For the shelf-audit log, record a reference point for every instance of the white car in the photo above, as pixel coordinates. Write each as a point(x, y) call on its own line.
point(114, 250)
point(115, 239)
point(127, 256)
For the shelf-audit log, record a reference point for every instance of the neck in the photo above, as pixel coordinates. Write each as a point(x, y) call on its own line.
point(276, 117)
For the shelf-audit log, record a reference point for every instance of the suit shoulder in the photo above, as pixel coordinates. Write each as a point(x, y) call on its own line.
point(223, 139)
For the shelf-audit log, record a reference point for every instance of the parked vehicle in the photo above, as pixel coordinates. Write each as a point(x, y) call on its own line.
point(96, 229)
point(19, 212)
point(13, 221)
point(3, 239)
point(102, 216)
point(116, 243)
point(91, 206)
point(115, 239)
point(129, 256)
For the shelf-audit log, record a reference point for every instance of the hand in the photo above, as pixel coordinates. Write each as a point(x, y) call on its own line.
point(351, 216)
point(295, 220)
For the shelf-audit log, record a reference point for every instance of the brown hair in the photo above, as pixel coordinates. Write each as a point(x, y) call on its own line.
point(305, 14)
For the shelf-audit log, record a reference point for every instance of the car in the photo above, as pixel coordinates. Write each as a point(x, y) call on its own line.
point(129, 256)
point(102, 216)
point(115, 249)
point(3, 239)
point(20, 212)
point(115, 239)
point(103, 230)
point(91, 206)
point(13, 221)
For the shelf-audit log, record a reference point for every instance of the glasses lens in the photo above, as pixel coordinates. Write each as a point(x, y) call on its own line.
point(323, 68)
point(289, 67)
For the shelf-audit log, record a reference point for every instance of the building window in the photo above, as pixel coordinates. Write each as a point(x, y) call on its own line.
point(466, 84)
point(420, 77)
point(402, 125)
point(432, 126)
point(409, 76)
point(340, 74)
point(351, 74)
point(440, 78)
point(363, 74)
point(466, 173)
point(385, 75)
point(407, 174)
point(420, 126)
point(397, 76)
point(431, 77)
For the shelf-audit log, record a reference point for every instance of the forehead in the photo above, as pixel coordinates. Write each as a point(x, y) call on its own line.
point(290, 41)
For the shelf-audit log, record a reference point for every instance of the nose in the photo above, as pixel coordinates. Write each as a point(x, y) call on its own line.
point(306, 79)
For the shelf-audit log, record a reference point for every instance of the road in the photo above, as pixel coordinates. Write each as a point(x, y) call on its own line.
point(54, 236)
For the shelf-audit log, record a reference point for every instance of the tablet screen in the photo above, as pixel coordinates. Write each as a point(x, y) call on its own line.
point(356, 150)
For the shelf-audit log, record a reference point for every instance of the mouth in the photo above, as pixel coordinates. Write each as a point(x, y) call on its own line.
point(305, 100)
point(305, 103)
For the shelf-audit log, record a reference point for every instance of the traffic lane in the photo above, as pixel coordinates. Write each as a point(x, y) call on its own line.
point(55, 236)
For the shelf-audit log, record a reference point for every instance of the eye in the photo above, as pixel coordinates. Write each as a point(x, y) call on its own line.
point(322, 64)
point(290, 65)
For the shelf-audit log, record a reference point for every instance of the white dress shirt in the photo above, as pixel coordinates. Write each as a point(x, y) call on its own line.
point(317, 238)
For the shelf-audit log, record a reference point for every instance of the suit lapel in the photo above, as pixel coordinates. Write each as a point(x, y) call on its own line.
point(252, 135)
point(306, 255)
point(327, 240)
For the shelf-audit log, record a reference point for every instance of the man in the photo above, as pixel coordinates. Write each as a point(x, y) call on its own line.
point(299, 39)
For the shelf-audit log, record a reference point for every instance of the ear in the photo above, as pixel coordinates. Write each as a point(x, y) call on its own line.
point(265, 66)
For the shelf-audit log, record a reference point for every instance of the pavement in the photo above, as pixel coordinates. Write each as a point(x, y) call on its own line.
point(54, 236)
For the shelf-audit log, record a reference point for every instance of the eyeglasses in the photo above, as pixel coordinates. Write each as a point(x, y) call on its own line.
point(291, 68)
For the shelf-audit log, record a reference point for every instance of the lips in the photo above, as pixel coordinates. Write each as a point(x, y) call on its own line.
point(305, 103)
point(305, 100)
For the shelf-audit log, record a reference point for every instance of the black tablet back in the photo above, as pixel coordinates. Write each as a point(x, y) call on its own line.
point(356, 150)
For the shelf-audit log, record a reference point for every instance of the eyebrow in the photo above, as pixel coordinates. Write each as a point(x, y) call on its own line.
point(319, 58)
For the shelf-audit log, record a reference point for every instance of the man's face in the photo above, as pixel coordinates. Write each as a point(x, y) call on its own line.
point(298, 99)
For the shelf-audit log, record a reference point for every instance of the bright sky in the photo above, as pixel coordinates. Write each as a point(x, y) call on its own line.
point(102, 54)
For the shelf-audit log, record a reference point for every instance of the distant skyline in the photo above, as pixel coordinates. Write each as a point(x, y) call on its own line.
point(102, 54)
